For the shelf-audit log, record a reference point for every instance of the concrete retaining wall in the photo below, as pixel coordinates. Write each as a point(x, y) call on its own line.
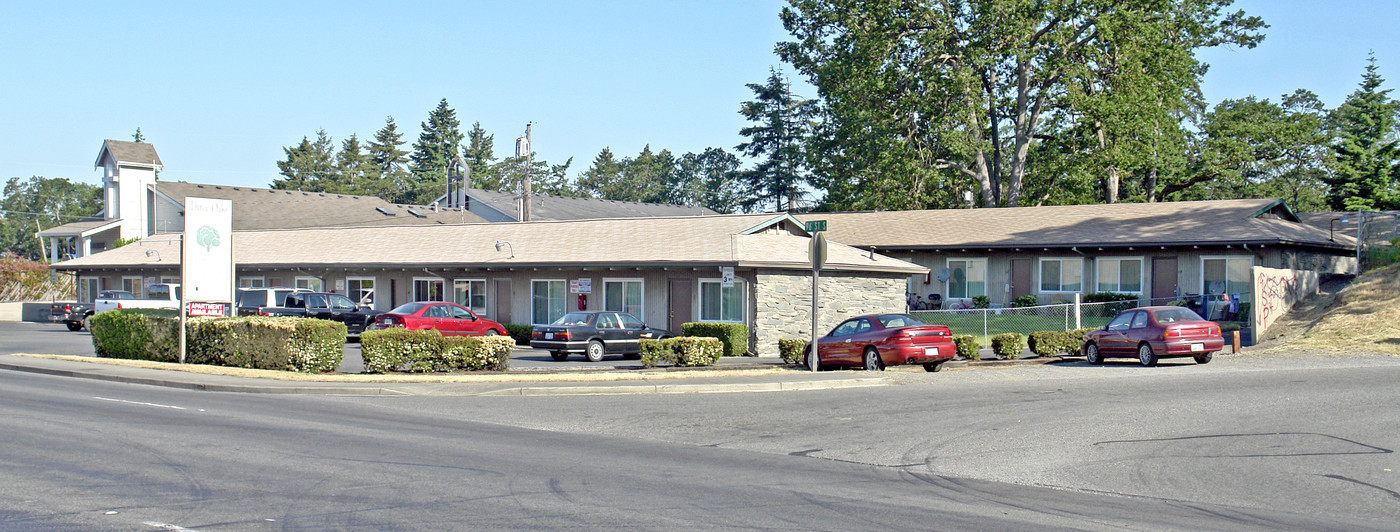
point(783, 303)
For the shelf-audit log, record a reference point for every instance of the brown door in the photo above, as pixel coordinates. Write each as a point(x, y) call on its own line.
point(680, 303)
point(1163, 278)
point(502, 301)
point(1020, 278)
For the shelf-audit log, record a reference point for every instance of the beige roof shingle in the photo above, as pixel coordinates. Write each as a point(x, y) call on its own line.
point(264, 208)
point(139, 153)
point(687, 241)
point(1244, 221)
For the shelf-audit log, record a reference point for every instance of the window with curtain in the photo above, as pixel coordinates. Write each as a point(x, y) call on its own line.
point(1061, 275)
point(623, 295)
point(547, 301)
point(721, 303)
point(470, 293)
point(427, 289)
point(1227, 275)
point(967, 277)
point(1120, 275)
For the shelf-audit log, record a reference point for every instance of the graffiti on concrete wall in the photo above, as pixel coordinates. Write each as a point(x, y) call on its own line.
point(1275, 291)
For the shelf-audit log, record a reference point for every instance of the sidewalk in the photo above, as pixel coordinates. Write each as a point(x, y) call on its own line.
point(731, 377)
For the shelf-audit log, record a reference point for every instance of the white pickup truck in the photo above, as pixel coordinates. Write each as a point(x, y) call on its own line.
point(166, 296)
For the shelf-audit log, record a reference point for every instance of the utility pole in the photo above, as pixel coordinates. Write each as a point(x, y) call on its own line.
point(523, 149)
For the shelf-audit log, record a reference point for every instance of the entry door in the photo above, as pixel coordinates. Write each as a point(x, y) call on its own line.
point(1164, 277)
point(1020, 278)
point(503, 300)
point(680, 302)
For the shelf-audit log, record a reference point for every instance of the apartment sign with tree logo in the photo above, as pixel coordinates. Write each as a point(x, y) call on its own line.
point(207, 273)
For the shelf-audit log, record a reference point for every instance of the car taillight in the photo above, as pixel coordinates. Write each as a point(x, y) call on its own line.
point(119, 306)
point(1215, 331)
point(1169, 333)
point(900, 336)
point(563, 335)
point(68, 309)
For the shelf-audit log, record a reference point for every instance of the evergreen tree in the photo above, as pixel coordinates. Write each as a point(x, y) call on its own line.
point(138, 137)
point(1364, 169)
point(602, 179)
point(480, 155)
point(387, 155)
point(309, 167)
point(355, 172)
point(438, 144)
point(709, 179)
point(782, 122)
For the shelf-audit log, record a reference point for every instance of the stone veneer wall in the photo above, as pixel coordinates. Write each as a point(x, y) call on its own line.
point(783, 302)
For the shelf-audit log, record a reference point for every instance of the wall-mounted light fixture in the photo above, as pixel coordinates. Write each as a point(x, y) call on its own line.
point(502, 245)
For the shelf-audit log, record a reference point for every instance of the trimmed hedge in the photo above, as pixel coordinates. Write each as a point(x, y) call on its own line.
point(734, 336)
point(519, 333)
point(681, 351)
point(429, 351)
point(1027, 300)
point(277, 343)
point(1050, 343)
point(1117, 303)
point(791, 349)
point(968, 347)
point(1008, 346)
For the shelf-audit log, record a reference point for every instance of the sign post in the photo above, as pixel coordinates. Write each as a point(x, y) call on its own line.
point(817, 251)
point(206, 260)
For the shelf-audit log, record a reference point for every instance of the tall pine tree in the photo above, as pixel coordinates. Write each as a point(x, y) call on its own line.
point(438, 144)
point(309, 167)
point(1364, 169)
point(480, 155)
point(387, 155)
point(782, 122)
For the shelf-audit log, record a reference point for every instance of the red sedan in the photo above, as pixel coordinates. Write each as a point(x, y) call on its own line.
point(450, 319)
point(880, 340)
point(1153, 333)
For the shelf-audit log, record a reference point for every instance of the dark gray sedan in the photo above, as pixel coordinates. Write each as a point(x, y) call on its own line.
point(594, 334)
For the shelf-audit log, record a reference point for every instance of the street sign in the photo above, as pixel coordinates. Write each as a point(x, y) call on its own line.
point(816, 250)
point(580, 286)
point(726, 276)
point(814, 226)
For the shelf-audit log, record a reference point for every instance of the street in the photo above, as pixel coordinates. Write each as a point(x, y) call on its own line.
point(1298, 442)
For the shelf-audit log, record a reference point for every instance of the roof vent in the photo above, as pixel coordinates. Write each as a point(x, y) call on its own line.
point(386, 212)
point(416, 213)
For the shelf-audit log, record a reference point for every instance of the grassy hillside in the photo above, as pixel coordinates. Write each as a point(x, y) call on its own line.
point(1364, 316)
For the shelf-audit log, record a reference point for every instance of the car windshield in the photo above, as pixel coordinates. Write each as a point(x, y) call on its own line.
point(407, 308)
point(890, 321)
point(574, 318)
point(1173, 315)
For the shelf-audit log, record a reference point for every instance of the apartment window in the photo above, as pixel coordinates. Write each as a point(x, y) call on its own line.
point(1226, 275)
point(133, 285)
point(470, 293)
point(88, 287)
point(623, 295)
point(1061, 275)
point(967, 277)
point(252, 282)
point(427, 289)
point(310, 283)
point(166, 279)
point(547, 300)
point(721, 303)
point(1120, 274)
point(360, 290)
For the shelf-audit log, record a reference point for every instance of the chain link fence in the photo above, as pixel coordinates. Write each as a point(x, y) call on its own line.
point(1379, 235)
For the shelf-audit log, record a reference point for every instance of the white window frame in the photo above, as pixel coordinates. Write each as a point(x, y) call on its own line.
point(1040, 272)
point(700, 300)
point(949, 286)
point(1245, 295)
point(139, 290)
point(641, 306)
point(252, 281)
point(442, 288)
point(564, 293)
point(169, 279)
point(352, 292)
point(479, 310)
point(320, 285)
point(92, 291)
point(1142, 274)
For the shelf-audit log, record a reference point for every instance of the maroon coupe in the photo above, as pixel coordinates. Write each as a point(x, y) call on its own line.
point(1152, 333)
point(880, 340)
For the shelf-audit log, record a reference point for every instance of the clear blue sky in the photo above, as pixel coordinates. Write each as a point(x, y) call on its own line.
point(220, 90)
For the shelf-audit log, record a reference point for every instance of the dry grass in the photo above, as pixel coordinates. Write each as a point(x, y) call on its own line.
point(1364, 317)
point(600, 376)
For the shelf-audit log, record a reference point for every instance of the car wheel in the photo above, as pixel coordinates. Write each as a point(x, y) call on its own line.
point(87, 322)
point(595, 351)
point(1092, 354)
point(1146, 356)
point(934, 367)
point(492, 332)
point(74, 326)
point(558, 355)
point(1205, 357)
point(872, 360)
point(807, 360)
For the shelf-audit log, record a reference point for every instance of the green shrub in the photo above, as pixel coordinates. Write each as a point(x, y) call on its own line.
point(139, 334)
point(1117, 303)
point(981, 301)
point(734, 336)
point(429, 351)
point(1008, 346)
point(259, 342)
point(1028, 300)
point(1045, 343)
point(682, 351)
point(968, 347)
point(791, 350)
point(1074, 338)
point(521, 333)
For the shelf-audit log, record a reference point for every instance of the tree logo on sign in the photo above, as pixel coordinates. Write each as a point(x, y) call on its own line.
point(207, 237)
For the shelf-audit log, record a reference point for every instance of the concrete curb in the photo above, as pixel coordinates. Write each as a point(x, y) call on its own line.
point(647, 389)
point(206, 387)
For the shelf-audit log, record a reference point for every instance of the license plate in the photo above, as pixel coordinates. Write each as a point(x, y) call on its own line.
point(1198, 347)
point(548, 336)
point(931, 351)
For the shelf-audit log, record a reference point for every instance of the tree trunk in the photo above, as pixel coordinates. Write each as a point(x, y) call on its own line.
point(1110, 184)
point(1151, 185)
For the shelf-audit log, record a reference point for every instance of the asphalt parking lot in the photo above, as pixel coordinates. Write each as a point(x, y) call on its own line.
point(55, 339)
